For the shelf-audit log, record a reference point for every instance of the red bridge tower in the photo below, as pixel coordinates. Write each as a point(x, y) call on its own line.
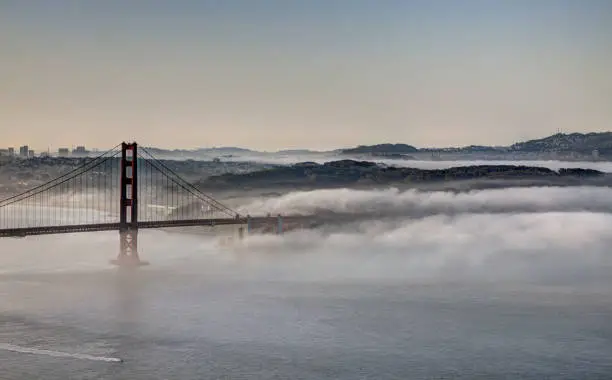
point(128, 211)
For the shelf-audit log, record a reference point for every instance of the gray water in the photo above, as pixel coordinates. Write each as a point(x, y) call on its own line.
point(311, 306)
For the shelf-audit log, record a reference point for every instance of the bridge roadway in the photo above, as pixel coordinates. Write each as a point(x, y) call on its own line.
point(255, 222)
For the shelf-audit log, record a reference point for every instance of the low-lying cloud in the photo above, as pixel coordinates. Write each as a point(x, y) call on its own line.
point(541, 235)
point(544, 236)
point(393, 202)
point(544, 248)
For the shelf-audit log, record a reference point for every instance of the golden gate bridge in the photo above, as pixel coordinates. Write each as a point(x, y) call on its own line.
point(124, 189)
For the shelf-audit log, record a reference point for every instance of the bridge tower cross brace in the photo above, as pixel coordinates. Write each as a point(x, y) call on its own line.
point(128, 214)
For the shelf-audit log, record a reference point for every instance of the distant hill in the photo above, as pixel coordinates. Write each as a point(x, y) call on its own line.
point(582, 143)
point(381, 149)
point(575, 142)
point(224, 149)
point(196, 152)
point(296, 151)
point(354, 173)
point(480, 149)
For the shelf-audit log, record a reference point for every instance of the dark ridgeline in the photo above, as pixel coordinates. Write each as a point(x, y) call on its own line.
point(356, 173)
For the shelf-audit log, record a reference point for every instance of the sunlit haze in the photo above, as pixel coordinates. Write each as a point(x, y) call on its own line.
point(302, 74)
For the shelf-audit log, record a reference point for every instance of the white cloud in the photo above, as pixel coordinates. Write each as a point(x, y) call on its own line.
point(532, 247)
point(413, 202)
point(544, 236)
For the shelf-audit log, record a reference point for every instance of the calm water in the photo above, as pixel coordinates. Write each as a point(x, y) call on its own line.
point(275, 312)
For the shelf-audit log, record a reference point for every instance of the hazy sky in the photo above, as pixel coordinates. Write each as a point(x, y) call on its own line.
point(273, 74)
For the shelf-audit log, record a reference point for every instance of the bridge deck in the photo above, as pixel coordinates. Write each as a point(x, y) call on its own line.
point(29, 231)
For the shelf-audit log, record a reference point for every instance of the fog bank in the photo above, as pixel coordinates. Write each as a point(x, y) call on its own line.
point(543, 236)
point(421, 203)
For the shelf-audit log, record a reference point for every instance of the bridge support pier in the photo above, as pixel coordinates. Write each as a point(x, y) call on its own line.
point(128, 253)
point(279, 226)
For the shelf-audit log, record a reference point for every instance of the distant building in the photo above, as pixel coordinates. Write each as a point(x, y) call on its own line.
point(80, 150)
point(11, 151)
point(24, 151)
point(63, 152)
point(30, 153)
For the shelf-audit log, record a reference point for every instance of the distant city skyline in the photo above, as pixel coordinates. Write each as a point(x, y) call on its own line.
point(288, 74)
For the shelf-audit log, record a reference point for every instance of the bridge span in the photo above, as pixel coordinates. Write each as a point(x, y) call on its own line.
point(244, 222)
point(105, 194)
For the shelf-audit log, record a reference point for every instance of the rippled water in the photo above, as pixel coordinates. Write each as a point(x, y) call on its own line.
point(310, 306)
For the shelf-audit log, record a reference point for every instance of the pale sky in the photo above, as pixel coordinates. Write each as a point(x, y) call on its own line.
point(276, 74)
